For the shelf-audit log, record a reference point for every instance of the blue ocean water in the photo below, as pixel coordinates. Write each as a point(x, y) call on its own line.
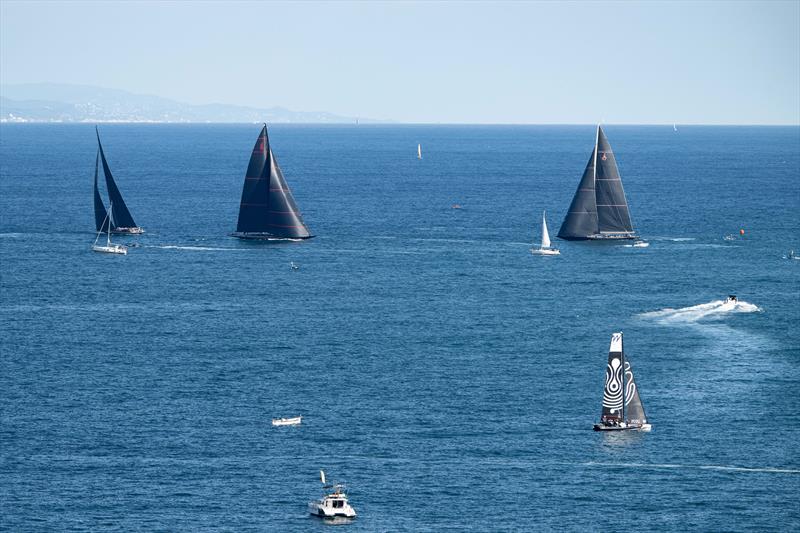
point(448, 376)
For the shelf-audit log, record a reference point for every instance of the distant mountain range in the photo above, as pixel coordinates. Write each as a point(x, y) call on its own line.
point(51, 102)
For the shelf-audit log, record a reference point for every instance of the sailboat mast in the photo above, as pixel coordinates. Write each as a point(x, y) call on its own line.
point(622, 360)
point(596, 142)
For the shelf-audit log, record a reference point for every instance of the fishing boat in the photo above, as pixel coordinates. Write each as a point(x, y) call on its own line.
point(295, 421)
point(122, 222)
point(109, 247)
point(419, 151)
point(622, 406)
point(267, 211)
point(599, 210)
point(545, 248)
point(334, 502)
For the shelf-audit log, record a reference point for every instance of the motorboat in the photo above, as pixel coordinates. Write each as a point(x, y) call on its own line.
point(333, 504)
point(731, 299)
point(641, 244)
point(294, 421)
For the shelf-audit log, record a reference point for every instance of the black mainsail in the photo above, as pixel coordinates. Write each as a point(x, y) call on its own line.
point(599, 209)
point(101, 218)
point(122, 220)
point(622, 407)
point(267, 209)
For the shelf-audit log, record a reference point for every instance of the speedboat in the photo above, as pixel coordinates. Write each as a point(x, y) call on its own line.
point(333, 504)
point(641, 244)
point(294, 266)
point(731, 299)
point(295, 421)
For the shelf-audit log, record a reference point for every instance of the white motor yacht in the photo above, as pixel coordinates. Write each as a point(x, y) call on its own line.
point(334, 502)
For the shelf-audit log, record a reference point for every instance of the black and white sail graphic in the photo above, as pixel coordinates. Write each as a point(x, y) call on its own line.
point(599, 208)
point(634, 411)
point(101, 220)
point(122, 217)
point(267, 208)
point(613, 395)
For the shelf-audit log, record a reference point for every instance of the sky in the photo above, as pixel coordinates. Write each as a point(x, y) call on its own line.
point(428, 62)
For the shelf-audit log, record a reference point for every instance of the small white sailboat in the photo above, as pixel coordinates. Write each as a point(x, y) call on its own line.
point(419, 151)
point(293, 265)
point(294, 421)
point(333, 504)
point(674, 127)
point(109, 248)
point(545, 248)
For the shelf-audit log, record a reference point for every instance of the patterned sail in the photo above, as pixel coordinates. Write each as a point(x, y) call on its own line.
point(101, 220)
point(267, 208)
point(122, 217)
point(613, 395)
point(612, 207)
point(634, 411)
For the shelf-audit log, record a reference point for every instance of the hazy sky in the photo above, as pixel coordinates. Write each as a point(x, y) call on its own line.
point(649, 62)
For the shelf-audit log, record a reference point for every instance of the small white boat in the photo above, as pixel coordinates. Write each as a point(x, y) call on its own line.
point(109, 247)
point(419, 151)
point(729, 237)
point(333, 504)
point(731, 299)
point(545, 248)
point(641, 244)
point(294, 266)
point(792, 255)
point(295, 421)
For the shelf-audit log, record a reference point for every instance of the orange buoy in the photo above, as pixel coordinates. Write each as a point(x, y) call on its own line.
point(741, 232)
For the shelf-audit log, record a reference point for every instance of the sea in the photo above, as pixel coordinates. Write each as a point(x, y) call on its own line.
point(448, 377)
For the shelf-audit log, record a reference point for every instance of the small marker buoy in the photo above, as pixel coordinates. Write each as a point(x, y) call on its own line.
point(741, 232)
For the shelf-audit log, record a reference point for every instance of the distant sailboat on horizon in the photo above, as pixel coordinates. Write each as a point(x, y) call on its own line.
point(545, 248)
point(419, 151)
point(267, 210)
point(122, 222)
point(599, 209)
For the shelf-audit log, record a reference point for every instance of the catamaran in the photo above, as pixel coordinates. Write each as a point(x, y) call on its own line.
point(109, 248)
point(622, 407)
point(333, 504)
point(267, 210)
point(122, 222)
point(599, 209)
point(545, 248)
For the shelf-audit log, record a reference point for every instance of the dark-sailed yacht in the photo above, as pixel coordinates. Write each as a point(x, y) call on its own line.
point(599, 209)
point(122, 222)
point(267, 210)
point(622, 407)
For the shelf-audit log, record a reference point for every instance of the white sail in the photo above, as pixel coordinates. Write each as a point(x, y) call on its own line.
point(545, 235)
point(322, 476)
point(419, 151)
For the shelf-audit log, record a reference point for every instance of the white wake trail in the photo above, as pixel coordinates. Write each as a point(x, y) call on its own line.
point(713, 310)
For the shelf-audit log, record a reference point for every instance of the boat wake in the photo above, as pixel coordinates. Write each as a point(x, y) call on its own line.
point(724, 468)
point(715, 310)
point(194, 248)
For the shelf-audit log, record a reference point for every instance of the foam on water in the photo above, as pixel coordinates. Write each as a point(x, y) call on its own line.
point(714, 310)
point(194, 248)
point(724, 468)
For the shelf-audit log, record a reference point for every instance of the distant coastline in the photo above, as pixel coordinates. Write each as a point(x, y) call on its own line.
point(64, 103)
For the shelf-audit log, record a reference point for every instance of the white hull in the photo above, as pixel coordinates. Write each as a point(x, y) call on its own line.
point(545, 251)
point(111, 249)
point(128, 231)
point(287, 421)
